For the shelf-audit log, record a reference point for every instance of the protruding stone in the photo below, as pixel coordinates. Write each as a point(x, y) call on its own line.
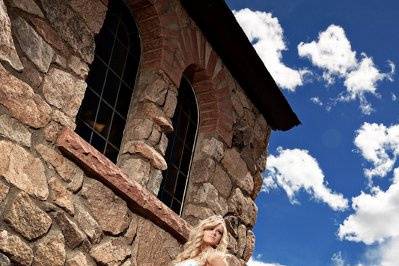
point(222, 182)
point(8, 52)
point(93, 12)
point(109, 210)
point(67, 170)
point(3, 191)
point(77, 258)
point(70, 27)
point(111, 252)
point(238, 170)
point(23, 170)
point(61, 196)
point(207, 194)
point(64, 91)
point(155, 136)
point(50, 250)
point(22, 103)
point(35, 48)
point(16, 249)
point(148, 152)
point(72, 234)
point(29, 7)
point(213, 148)
point(26, 218)
point(87, 223)
point(243, 207)
point(249, 247)
point(137, 169)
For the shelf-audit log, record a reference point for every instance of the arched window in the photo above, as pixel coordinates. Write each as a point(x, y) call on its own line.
point(180, 149)
point(102, 116)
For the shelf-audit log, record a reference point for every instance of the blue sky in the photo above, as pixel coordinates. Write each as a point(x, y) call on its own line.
point(331, 189)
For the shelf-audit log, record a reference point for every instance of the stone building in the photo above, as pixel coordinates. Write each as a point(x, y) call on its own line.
point(124, 122)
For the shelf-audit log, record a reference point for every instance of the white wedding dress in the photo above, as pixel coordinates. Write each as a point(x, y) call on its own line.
point(189, 262)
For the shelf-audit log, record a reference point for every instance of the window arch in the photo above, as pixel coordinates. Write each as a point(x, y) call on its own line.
point(102, 116)
point(180, 149)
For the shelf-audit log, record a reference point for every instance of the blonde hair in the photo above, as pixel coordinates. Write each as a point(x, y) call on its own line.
point(192, 248)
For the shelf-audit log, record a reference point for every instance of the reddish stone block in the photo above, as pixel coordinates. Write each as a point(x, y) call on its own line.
point(141, 200)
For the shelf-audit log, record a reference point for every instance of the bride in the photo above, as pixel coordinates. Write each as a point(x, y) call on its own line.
point(207, 244)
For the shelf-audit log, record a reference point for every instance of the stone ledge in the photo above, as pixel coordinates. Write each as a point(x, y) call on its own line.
point(143, 201)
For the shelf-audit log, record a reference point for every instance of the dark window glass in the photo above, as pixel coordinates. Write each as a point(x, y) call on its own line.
point(180, 148)
point(110, 82)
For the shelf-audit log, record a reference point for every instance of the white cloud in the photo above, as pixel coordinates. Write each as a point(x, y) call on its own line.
point(266, 34)
point(255, 262)
point(333, 53)
point(316, 100)
point(295, 169)
point(337, 259)
point(379, 145)
point(376, 217)
point(394, 97)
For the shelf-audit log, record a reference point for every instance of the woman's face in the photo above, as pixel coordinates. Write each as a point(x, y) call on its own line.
point(212, 236)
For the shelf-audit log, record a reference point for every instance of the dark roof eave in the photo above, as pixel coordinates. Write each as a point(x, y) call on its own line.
point(227, 38)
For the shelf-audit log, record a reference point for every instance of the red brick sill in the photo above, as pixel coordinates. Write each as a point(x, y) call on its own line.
point(141, 200)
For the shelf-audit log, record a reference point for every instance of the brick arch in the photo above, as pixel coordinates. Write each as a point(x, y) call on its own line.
point(172, 43)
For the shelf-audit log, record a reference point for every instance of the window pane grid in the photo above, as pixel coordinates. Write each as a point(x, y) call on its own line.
point(180, 149)
point(110, 88)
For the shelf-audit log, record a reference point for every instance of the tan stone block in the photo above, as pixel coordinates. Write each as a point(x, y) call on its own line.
point(213, 148)
point(22, 103)
point(154, 183)
point(23, 170)
point(148, 152)
point(243, 207)
point(79, 67)
point(68, 171)
point(3, 191)
point(12, 129)
point(87, 223)
point(26, 218)
point(202, 170)
point(137, 169)
point(109, 210)
point(139, 129)
point(242, 239)
point(208, 195)
point(238, 170)
point(111, 252)
point(33, 45)
point(131, 232)
point(196, 211)
point(70, 27)
point(8, 52)
point(163, 144)
point(61, 196)
point(92, 11)
point(64, 91)
point(170, 103)
point(77, 258)
point(222, 182)
point(50, 250)
point(17, 250)
point(29, 7)
point(249, 246)
point(258, 182)
point(72, 233)
point(155, 91)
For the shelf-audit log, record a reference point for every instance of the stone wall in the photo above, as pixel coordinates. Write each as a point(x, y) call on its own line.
point(58, 207)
